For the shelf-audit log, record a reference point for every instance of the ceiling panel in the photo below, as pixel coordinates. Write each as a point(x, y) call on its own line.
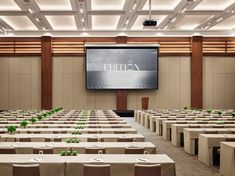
point(107, 4)
point(228, 24)
point(102, 22)
point(19, 22)
point(190, 22)
point(54, 5)
point(62, 22)
point(139, 21)
point(214, 4)
point(161, 4)
point(8, 5)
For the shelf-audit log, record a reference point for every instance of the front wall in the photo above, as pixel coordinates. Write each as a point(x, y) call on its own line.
point(219, 82)
point(20, 79)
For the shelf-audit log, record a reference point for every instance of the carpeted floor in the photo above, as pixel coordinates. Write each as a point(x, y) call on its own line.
point(186, 165)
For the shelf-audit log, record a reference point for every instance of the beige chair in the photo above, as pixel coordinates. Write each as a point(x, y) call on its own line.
point(134, 150)
point(125, 139)
point(45, 150)
point(25, 139)
point(120, 132)
point(53, 139)
point(26, 170)
point(94, 132)
point(148, 170)
point(94, 150)
point(8, 150)
point(96, 170)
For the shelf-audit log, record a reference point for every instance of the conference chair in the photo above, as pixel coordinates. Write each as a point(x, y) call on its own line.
point(96, 170)
point(134, 150)
point(95, 139)
point(95, 150)
point(7, 150)
point(44, 150)
point(149, 170)
point(27, 139)
point(125, 139)
point(145, 103)
point(119, 132)
point(25, 170)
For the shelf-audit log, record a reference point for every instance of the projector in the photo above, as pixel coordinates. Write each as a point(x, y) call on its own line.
point(150, 23)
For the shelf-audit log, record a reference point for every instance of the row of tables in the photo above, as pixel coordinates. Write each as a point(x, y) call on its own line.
point(210, 135)
point(101, 127)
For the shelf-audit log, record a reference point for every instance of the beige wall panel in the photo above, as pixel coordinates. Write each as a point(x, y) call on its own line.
point(67, 81)
point(164, 64)
point(100, 100)
point(57, 87)
point(67, 65)
point(230, 65)
point(82, 91)
point(4, 66)
point(185, 90)
point(25, 64)
point(219, 64)
point(111, 100)
point(14, 65)
point(164, 91)
point(132, 100)
point(174, 65)
point(35, 91)
point(14, 91)
point(90, 99)
point(174, 91)
point(185, 65)
point(57, 65)
point(35, 65)
point(153, 99)
point(230, 91)
point(208, 65)
point(76, 95)
point(4, 91)
point(79, 65)
point(25, 91)
point(219, 91)
point(208, 91)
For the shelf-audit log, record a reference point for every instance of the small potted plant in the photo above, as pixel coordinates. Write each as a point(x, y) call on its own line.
point(209, 111)
point(185, 108)
point(24, 123)
point(233, 114)
point(11, 129)
point(33, 120)
point(220, 113)
point(40, 117)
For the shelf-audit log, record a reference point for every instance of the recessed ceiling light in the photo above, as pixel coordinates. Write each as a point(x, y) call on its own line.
point(184, 9)
point(134, 6)
point(82, 19)
point(81, 10)
point(37, 20)
point(173, 20)
point(220, 19)
point(127, 21)
point(233, 11)
point(30, 10)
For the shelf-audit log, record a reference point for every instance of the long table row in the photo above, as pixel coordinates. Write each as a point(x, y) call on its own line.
point(203, 134)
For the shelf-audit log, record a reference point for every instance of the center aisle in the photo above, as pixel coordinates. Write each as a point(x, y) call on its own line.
point(186, 165)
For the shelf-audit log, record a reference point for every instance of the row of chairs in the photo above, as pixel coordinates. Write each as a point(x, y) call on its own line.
point(93, 150)
point(90, 170)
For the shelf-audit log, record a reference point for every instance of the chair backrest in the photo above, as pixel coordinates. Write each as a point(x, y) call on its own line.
point(94, 150)
point(211, 132)
point(95, 139)
point(96, 170)
point(27, 139)
point(149, 170)
point(134, 150)
point(145, 103)
point(125, 139)
point(194, 126)
point(93, 132)
point(45, 150)
point(230, 139)
point(119, 132)
point(8, 150)
point(26, 169)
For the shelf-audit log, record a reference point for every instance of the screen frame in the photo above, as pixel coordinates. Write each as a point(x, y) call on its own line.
point(124, 47)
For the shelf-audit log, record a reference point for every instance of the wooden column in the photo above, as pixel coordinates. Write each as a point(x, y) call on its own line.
point(121, 95)
point(46, 72)
point(196, 72)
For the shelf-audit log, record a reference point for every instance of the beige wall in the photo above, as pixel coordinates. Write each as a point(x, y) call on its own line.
point(219, 82)
point(69, 86)
point(20, 80)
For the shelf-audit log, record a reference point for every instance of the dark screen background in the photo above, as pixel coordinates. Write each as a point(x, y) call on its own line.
point(121, 68)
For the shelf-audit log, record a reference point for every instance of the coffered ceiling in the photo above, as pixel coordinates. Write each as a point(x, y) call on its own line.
point(116, 17)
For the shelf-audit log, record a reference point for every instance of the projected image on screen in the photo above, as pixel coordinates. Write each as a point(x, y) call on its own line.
point(121, 68)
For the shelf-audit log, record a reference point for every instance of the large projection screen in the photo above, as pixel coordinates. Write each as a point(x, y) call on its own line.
point(122, 67)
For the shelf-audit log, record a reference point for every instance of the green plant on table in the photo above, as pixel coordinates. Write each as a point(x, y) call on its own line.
point(23, 123)
point(68, 153)
point(11, 129)
point(33, 120)
point(73, 140)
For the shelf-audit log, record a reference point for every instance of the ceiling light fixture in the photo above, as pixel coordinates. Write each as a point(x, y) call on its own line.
point(37, 19)
point(30, 10)
point(127, 21)
point(184, 9)
point(173, 20)
point(220, 19)
point(83, 20)
point(134, 6)
point(81, 10)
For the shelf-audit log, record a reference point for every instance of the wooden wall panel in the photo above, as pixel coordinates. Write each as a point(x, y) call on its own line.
point(46, 72)
point(196, 72)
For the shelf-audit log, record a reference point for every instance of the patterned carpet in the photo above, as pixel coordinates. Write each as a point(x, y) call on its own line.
point(186, 165)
